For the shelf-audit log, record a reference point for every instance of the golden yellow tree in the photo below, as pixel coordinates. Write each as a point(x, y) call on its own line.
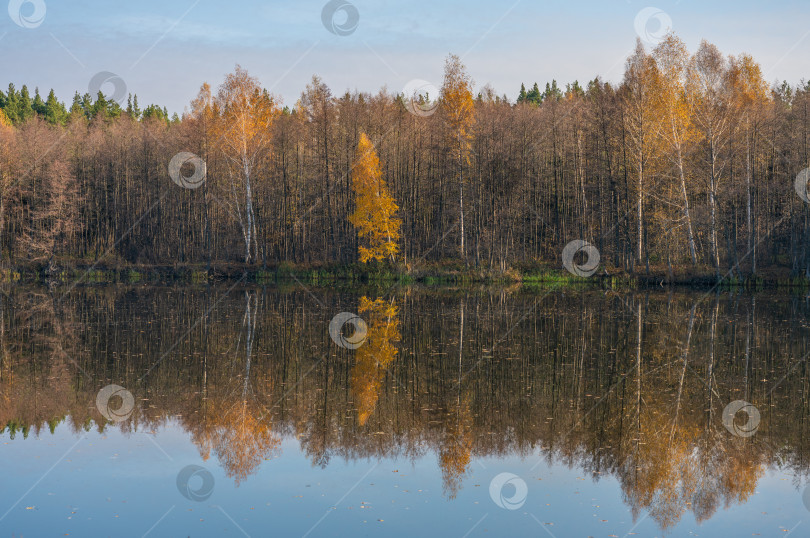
point(458, 111)
point(374, 216)
point(376, 354)
point(641, 90)
point(708, 87)
point(677, 130)
point(247, 113)
point(751, 98)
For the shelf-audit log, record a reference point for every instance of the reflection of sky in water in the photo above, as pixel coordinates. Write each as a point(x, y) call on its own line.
point(123, 486)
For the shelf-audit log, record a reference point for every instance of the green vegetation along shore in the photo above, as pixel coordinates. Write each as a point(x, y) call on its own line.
point(449, 273)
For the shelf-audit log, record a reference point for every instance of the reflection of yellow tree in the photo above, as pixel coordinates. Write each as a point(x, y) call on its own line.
point(243, 436)
point(661, 474)
point(244, 440)
point(375, 355)
point(670, 468)
point(740, 476)
point(456, 448)
point(203, 428)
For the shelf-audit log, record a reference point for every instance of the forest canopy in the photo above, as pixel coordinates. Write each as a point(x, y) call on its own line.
point(688, 163)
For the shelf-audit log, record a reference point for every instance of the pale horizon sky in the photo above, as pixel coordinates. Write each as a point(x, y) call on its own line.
point(164, 51)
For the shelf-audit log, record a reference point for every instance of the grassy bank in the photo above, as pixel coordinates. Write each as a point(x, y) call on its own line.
point(448, 273)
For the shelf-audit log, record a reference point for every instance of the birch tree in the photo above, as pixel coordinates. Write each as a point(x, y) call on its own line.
point(677, 130)
point(246, 116)
point(458, 110)
point(640, 85)
point(708, 90)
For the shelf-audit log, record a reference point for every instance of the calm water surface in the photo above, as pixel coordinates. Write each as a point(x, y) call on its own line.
point(232, 411)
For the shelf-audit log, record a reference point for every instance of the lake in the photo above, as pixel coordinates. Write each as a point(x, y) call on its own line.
point(234, 410)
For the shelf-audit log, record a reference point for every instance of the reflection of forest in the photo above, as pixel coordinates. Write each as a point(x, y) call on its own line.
point(628, 385)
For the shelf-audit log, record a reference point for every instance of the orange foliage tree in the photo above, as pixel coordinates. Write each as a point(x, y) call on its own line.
point(375, 207)
point(246, 114)
point(641, 90)
point(458, 111)
point(677, 130)
point(710, 96)
point(751, 98)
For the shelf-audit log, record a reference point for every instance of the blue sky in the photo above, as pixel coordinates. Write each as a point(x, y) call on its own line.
point(165, 50)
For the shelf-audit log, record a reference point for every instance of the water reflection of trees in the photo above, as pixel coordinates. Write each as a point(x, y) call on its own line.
point(235, 424)
point(373, 358)
point(631, 385)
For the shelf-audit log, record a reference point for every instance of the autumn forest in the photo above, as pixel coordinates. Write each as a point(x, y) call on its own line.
point(688, 165)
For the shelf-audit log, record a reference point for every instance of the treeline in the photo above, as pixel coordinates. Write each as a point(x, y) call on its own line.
point(689, 165)
point(19, 107)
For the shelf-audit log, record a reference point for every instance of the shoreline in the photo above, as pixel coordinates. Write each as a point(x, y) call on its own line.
point(440, 274)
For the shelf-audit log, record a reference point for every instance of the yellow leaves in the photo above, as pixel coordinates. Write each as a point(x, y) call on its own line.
point(246, 113)
point(375, 207)
point(458, 107)
point(671, 58)
point(456, 450)
point(202, 105)
point(244, 439)
point(242, 116)
point(375, 355)
point(378, 308)
point(645, 103)
point(743, 471)
point(746, 79)
point(5, 142)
